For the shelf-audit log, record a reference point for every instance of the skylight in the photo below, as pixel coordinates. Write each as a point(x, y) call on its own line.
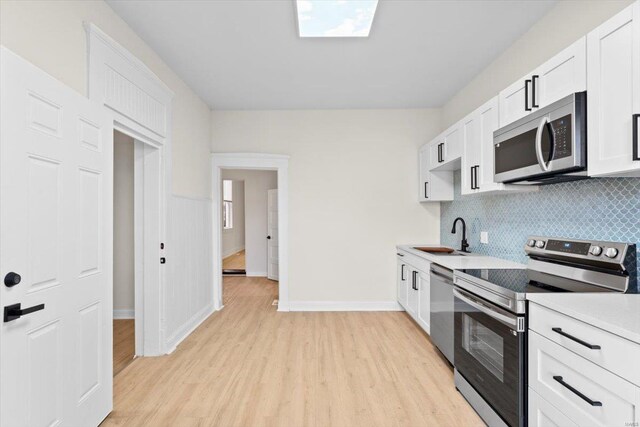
point(335, 18)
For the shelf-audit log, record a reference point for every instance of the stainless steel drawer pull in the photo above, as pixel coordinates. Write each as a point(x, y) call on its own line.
point(578, 340)
point(576, 392)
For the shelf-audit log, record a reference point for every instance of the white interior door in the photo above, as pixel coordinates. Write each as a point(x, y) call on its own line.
point(56, 191)
point(272, 226)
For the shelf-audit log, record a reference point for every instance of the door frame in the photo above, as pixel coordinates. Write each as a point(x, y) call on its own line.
point(253, 161)
point(141, 105)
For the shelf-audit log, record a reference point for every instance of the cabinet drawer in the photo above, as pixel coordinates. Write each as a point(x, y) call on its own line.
point(588, 394)
point(544, 414)
point(616, 354)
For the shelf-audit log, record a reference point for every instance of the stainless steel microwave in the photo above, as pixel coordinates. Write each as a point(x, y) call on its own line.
point(547, 146)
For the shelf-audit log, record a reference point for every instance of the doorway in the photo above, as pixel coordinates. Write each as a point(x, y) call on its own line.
point(249, 225)
point(259, 173)
point(123, 252)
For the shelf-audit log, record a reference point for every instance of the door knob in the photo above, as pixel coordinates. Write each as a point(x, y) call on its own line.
point(268, 237)
point(14, 311)
point(12, 279)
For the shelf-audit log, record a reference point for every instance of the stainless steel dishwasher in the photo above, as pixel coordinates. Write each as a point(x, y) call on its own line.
point(442, 310)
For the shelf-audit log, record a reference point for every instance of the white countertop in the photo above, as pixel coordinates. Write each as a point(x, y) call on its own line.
point(460, 262)
point(616, 313)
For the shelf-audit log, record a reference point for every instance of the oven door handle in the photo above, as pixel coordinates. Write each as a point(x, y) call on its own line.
point(507, 319)
point(544, 165)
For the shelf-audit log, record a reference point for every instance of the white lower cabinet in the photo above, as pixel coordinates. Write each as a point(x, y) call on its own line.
point(402, 282)
point(424, 301)
point(567, 388)
point(413, 288)
point(412, 304)
point(544, 414)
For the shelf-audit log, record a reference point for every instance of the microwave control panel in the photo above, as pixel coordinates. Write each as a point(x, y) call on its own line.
point(561, 129)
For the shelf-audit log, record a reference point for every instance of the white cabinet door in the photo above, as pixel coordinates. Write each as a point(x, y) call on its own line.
point(453, 140)
point(424, 300)
point(515, 101)
point(402, 282)
point(488, 118)
point(544, 414)
point(423, 185)
point(562, 75)
point(470, 154)
point(56, 192)
point(436, 152)
point(412, 298)
point(613, 85)
point(433, 186)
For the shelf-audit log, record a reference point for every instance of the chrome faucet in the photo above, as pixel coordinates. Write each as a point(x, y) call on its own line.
point(464, 245)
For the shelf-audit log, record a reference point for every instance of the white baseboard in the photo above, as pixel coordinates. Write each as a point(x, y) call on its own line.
point(227, 254)
point(124, 314)
point(256, 274)
point(189, 326)
point(344, 306)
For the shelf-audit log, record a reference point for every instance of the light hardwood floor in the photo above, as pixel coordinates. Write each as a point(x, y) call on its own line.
point(123, 344)
point(234, 262)
point(249, 365)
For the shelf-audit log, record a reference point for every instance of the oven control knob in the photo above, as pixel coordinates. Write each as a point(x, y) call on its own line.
point(540, 244)
point(595, 250)
point(611, 253)
point(531, 243)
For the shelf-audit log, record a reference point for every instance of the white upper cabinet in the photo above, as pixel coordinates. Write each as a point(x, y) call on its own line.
point(477, 154)
point(434, 186)
point(560, 76)
point(445, 151)
point(613, 88)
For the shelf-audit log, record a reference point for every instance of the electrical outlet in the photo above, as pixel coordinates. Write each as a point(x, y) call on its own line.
point(484, 237)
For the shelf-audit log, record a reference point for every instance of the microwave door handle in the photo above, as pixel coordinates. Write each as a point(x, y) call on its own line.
point(541, 126)
point(467, 298)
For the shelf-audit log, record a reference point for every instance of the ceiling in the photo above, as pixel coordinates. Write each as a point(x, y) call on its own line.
point(246, 55)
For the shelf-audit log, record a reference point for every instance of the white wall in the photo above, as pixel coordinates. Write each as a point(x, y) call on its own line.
point(562, 25)
point(233, 239)
point(51, 35)
point(256, 184)
point(353, 192)
point(123, 243)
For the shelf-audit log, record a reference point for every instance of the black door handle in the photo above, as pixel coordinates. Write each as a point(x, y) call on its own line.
point(578, 340)
point(475, 174)
point(636, 143)
point(14, 311)
point(12, 279)
point(413, 279)
point(526, 95)
point(426, 189)
point(534, 80)
point(402, 273)
point(268, 237)
point(576, 392)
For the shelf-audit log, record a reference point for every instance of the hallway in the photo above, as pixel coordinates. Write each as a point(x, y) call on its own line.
point(249, 365)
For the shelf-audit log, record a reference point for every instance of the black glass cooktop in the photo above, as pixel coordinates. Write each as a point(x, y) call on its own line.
point(529, 281)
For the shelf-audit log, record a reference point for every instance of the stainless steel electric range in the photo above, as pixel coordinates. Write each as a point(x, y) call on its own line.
point(490, 322)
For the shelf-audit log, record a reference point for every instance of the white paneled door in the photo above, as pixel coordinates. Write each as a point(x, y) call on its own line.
point(272, 242)
point(56, 156)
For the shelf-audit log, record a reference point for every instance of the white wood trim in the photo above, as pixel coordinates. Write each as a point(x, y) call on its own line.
point(344, 306)
point(142, 108)
point(257, 161)
point(189, 327)
point(124, 314)
point(256, 274)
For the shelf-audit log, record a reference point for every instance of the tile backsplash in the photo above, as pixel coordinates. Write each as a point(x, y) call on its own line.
point(600, 209)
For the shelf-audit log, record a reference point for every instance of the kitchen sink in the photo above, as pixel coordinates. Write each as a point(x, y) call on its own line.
point(440, 251)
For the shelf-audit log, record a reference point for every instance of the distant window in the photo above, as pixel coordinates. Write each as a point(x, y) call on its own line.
point(227, 204)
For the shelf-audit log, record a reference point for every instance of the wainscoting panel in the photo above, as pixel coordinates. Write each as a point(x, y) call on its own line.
point(189, 289)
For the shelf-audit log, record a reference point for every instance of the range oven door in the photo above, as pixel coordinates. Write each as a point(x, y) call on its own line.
point(490, 353)
point(549, 141)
